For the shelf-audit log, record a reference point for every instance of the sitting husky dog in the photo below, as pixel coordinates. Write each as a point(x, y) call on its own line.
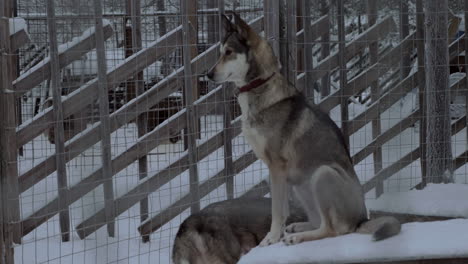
point(299, 143)
point(222, 232)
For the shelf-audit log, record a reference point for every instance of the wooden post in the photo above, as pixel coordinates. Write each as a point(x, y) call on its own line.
point(287, 39)
point(9, 204)
point(375, 93)
point(404, 32)
point(422, 86)
point(438, 140)
point(325, 38)
point(271, 25)
point(466, 68)
point(188, 12)
point(104, 119)
point(58, 119)
point(343, 71)
point(308, 46)
point(142, 120)
point(227, 118)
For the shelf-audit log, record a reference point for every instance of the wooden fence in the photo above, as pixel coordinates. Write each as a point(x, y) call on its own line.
point(194, 65)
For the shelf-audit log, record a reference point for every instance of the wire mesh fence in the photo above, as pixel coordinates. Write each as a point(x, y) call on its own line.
point(119, 135)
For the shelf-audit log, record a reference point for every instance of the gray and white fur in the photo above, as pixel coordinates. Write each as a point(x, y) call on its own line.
point(224, 231)
point(298, 142)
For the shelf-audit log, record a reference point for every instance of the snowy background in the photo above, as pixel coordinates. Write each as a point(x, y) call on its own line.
point(43, 245)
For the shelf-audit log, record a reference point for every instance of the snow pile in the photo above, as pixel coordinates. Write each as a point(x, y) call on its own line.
point(17, 24)
point(416, 240)
point(450, 200)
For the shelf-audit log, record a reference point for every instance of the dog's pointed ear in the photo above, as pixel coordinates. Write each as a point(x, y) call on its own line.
point(242, 27)
point(228, 26)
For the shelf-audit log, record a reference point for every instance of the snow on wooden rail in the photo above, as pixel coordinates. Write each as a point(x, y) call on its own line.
point(68, 52)
point(87, 93)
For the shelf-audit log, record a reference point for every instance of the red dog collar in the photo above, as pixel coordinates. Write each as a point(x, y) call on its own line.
point(254, 84)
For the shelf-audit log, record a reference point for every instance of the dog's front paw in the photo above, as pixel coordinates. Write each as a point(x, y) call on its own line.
point(292, 228)
point(291, 239)
point(271, 238)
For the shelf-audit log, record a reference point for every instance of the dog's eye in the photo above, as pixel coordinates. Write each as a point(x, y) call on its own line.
point(228, 52)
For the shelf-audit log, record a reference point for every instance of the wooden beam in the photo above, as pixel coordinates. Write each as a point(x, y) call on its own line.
point(153, 183)
point(125, 114)
point(41, 71)
point(405, 161)
point(189, 27)
point(307, 43)
point(62, 182)
point(74, 102)
point(383, 103)
point(205, 105)
point(343, 72)
point(19, 39)
point(205, 188)
point(386, 136)
point(10, 213)
point(357, 45)
point(361, 82)
point(105, 132)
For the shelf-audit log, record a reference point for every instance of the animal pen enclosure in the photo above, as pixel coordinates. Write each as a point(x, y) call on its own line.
point(111, 135)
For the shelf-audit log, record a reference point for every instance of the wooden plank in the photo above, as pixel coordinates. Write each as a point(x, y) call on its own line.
point(307, 43)
point(361, 82)
point(405, 66)
point(391, 170)
point(386, 136)
point(10, 213)
point(422, 82)
point(64, 215)
point(288, 31)
point(325, 52)
point(271, 24)
point(142, 120)
point(41, 71)
point(318, 27)
point(153, 182)
point(189, 27)
point(343, 71)
point(106, 156)
point(372, 14)
point(205, 188)
point(205, 105)
point(87, 93)
point(465, 38)
point(126, 113)
point(227, 114)
point(19, 39)
point(405, 161)
point(357, 45)
point(383, 103)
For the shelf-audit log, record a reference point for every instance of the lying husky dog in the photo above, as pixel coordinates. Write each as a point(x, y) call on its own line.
point(222, 232)
point(299, 143)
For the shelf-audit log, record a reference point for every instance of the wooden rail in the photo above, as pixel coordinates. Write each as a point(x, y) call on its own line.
point(74, 102)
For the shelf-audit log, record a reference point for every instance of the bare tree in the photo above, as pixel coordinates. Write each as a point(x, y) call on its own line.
point(439, 153)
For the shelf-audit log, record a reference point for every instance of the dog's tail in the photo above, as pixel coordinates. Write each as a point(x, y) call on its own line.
point(380, 228)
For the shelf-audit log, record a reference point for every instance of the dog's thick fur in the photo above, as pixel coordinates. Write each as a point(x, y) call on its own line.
point(222, 232)
point(299, 143)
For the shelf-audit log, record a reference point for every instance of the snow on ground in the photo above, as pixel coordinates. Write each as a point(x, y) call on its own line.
point(416, 241)
point(435, 200)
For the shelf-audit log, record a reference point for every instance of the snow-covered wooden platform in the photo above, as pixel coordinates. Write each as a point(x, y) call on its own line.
point(428, 242)
point(446, 241)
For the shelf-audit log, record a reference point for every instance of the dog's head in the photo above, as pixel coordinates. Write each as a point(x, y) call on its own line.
point(244, 54)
